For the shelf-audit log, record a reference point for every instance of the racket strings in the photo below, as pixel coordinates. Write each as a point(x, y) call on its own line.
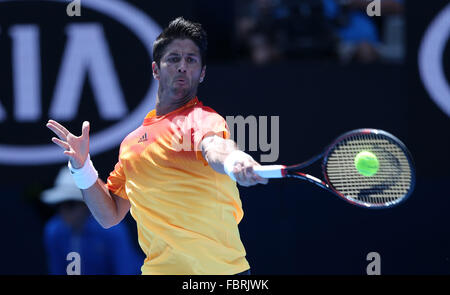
point(392, 180)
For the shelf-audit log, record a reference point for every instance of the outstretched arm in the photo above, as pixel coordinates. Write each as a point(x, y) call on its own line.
point(219, 152)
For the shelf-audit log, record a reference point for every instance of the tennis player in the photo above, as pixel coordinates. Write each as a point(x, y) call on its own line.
point(176, 173)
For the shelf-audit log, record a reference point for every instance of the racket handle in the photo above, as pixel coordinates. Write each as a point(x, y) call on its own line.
point(270, 171)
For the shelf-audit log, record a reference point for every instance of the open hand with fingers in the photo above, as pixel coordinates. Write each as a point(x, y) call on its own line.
point(76, 147)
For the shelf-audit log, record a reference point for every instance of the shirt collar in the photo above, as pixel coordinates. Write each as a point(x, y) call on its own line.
point(151, 116)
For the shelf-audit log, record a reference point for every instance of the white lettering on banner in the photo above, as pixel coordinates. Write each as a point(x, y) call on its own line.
point(79, 60)
point(431, 60)
point(26, 72)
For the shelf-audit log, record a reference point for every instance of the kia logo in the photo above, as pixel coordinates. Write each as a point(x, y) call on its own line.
point(431, 63)
point(85, 53)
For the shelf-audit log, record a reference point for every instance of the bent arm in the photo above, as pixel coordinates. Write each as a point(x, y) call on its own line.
point(107, 208)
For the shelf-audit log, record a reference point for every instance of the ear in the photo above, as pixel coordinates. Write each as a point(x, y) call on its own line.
point(202, 74)
point(155, 70)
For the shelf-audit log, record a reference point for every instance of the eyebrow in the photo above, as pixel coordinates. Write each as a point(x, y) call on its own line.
point(177, 54)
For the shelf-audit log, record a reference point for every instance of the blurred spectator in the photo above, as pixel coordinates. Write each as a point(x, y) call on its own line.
point(269, 30)
point(73, 229)
point(256, 30)
point(359, 35)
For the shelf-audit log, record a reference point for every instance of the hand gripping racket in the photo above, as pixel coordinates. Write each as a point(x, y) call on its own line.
point(391, 184)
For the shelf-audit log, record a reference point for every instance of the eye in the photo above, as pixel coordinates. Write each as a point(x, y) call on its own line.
point(191, 60)
point(173, 59)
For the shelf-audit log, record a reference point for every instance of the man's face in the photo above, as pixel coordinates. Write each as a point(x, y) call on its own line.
point(180, 69)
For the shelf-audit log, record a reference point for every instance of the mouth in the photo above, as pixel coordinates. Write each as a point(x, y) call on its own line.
point(180, 80)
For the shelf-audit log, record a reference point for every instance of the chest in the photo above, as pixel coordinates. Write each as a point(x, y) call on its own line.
point(165, 144)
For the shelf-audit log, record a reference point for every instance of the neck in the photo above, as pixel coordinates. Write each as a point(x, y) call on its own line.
point(165, 105)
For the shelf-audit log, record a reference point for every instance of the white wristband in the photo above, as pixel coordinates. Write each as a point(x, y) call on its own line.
point(85, 176)
point(231, 159)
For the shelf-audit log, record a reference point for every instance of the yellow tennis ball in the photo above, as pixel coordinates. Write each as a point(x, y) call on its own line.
point(366, 163)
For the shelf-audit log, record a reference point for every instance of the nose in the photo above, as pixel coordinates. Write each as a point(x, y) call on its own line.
point(182, 66)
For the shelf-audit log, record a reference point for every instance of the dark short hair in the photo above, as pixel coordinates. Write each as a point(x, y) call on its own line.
point(181, 28)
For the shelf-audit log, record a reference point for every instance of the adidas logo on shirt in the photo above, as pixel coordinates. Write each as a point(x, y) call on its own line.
point(143, 138)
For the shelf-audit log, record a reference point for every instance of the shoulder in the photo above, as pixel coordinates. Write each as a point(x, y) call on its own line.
point(205, 113)
point(206, 109)
point(132, 135)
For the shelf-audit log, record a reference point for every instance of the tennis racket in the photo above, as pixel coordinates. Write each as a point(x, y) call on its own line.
point(392, 184)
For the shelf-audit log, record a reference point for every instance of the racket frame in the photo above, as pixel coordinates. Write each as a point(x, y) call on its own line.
point(292, 171)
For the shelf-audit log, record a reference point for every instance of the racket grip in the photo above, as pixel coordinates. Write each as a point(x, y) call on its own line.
point(270, 171)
